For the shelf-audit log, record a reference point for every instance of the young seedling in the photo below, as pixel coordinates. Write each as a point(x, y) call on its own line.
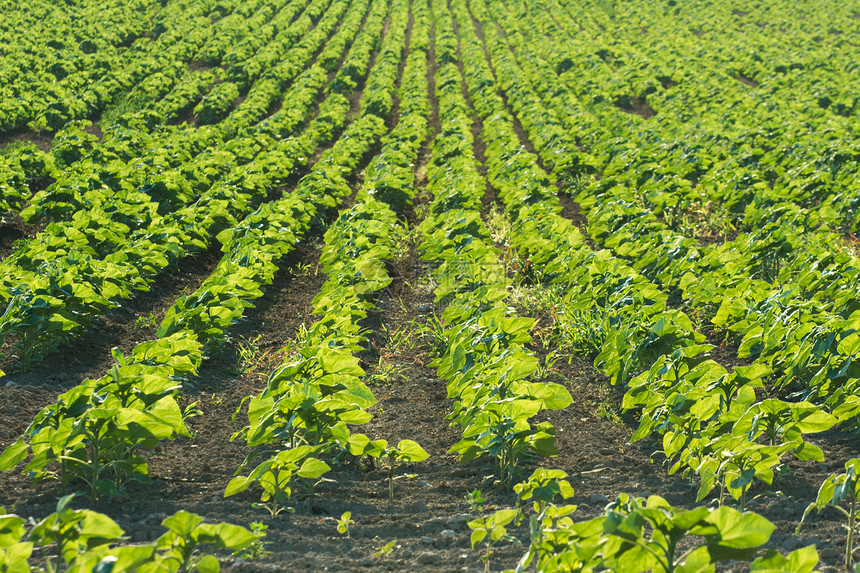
point(73, 531)
point(344, 522)
point(491, 529)
point(278, 475)
point(838, 491)
point(476, 500)
point(179, 546)
point(385, 550)
point(257, 548)
point(406, 451)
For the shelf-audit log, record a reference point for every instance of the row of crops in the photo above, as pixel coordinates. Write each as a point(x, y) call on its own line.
point(677, 183)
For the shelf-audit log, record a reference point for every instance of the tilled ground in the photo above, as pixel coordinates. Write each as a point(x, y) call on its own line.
point(428, 520)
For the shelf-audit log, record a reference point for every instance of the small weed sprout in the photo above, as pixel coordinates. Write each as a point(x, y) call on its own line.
point(146, 321)
point(476, 501)
point(257, 548)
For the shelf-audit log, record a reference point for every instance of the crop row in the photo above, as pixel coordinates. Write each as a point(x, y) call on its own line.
point(482, 353)
point(90, 441)
point(701, 410)
point(76, 271)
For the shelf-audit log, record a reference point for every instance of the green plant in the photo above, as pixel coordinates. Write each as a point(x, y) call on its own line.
point(542, 487)
point(649, 531)
point(839, 491)
point(384, 373)
point(476, 501)
point(97, 431)
point(344, 522)
point(406, 451)
point(385, 550)
point(178, 548)
point(491, 529)
point(279, 475)
point(637, 534)
point(146, 321)
point(609, 412)
point(251, 356)
point(73, 531)
point(257, 548)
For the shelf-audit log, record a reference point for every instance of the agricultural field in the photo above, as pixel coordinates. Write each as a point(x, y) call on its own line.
point(429, 285)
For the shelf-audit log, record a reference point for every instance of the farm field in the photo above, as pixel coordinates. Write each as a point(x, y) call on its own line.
point(429, 285)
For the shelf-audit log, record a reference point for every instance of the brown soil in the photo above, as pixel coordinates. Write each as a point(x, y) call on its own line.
point(635, 105)
point(746, 80)
point(42, 140)
point(13, 229)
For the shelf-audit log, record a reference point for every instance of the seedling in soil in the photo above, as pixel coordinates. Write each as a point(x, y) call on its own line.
point(385, 550)
point(491, 529)
point(251, 356)
point(476, 500)
point(279, 475)
point(146, 321)
point(73, 531)
point(406, 451)
point(344, 522)
point(838, 491)
point(257, 548)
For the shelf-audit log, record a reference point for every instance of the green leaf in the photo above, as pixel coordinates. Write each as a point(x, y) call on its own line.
point(410, 451)
point(738, 530)
point(14, 454)
point(208, 564)
point(313, 468)
point(182, 523)
point(802, 560)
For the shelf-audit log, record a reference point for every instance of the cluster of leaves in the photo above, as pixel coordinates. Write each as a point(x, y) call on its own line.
point(85, 540)
point(70, 63)
point(22, 169)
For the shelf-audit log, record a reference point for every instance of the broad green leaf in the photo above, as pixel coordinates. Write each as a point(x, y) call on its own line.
point(740, 530)
point(313, 468)
point(14, 454)
point(410, 451)
point(208, 564)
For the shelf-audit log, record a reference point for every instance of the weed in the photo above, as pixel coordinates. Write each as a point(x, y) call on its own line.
point(609, 412)
point(301, 269)
point(476, 500)
point(257, 548)
point(384, 373)
point(499, 225)
point(433, 333)
point(146, 321)
point(251, 356)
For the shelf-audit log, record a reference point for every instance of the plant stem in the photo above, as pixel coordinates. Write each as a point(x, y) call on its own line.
point(849, 547)
point(95, 468)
